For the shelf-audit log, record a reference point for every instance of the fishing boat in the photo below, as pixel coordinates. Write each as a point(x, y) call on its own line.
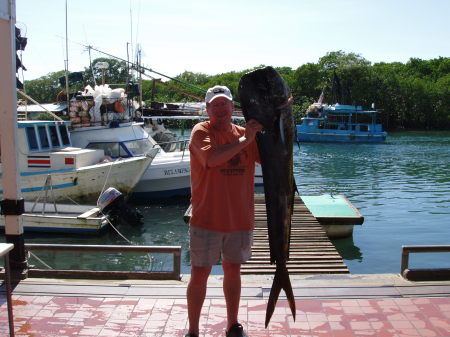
point(340, 124)
point(49, 164)
point(62, 218)
point(169, 173)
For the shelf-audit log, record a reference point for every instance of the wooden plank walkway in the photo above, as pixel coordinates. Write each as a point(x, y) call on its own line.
point(311, 252)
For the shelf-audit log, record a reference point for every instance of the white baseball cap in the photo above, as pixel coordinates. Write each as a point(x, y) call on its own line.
point(218, 91)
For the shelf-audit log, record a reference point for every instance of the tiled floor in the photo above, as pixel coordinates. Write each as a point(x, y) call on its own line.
point(62, 316)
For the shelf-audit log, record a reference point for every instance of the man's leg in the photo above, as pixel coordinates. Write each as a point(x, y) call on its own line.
point(232, 290)
point(196, 292)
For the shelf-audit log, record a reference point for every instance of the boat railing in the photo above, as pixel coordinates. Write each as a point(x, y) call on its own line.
point(423, 274)
point(103, 274)
point(179, 145)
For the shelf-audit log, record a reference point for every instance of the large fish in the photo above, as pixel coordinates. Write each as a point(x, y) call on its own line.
point(266, 97)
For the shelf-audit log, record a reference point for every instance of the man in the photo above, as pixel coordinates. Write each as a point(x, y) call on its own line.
point(223, 157)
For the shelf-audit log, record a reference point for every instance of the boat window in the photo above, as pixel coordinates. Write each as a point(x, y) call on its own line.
point(111, 149)
point(64, 134)
point(138, 147)
point(43, 137)
point(32, 139)
point(54, 136)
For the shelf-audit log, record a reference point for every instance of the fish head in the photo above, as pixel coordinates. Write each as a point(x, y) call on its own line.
point(262, 93)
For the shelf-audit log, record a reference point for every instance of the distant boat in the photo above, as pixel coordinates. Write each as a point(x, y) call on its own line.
point(51, 167)
point(340, 124)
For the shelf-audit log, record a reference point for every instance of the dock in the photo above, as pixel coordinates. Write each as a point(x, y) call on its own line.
point(311, 251)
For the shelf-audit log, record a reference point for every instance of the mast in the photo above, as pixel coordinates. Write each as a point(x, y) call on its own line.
point(66, 65)
point(12, 202)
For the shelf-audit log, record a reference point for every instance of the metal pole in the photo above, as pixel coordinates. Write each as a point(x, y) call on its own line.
point(66, 65)
point(8, 296)
point(12, 203)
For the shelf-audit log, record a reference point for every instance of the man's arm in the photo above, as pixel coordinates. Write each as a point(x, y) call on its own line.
point(223, 153)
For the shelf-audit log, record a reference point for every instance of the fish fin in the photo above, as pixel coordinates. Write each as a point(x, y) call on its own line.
point(281, 124)
point(280, 281)
point(296, 137)
point(296, 188)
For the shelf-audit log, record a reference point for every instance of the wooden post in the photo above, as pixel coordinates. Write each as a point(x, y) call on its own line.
point(12, 203)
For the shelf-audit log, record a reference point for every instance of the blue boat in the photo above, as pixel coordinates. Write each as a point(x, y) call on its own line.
point(340, 124)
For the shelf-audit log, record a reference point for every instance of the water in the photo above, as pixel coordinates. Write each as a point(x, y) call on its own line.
point(401, 187)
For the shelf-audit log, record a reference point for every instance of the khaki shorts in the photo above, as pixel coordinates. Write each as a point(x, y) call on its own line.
point(208, 246)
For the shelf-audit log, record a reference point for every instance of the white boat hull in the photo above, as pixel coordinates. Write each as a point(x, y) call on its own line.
point(85, 184)
point(73, 219)
point(167, 176)
point(169, 173)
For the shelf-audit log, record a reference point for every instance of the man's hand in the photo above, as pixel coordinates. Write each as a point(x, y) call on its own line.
point(251, 128)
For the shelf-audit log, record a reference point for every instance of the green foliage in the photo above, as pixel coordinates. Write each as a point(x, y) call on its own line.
point(117, 72)
point(412, 95)
point(44, 89)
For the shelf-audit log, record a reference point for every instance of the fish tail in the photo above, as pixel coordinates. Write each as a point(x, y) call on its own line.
point(280, 281)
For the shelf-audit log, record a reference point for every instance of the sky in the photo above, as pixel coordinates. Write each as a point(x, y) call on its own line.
point(214, 37)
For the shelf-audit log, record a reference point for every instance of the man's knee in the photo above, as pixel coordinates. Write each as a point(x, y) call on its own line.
point(231, 268)
point(200, 274)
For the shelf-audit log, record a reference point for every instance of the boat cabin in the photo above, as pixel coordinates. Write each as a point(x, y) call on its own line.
point(47, 145)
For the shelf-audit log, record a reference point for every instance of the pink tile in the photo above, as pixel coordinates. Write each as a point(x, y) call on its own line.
point(363, 333)
point(440, 300)
point(316, 317)
point(315, 326)
point(361, 325)
point(88, 331)
point(427, 333)
point(343, 333)
point(409, 308)
point(444, 307)
point(364, 303)
point(352, 310)
point(370, 310)
point(403, 301)
point(309, 305)
point(376, 317)
point(350, 303)
point(337, 326)
point(333, 309)
point(407, 333)
point(421, 301)
point(396, 317)
point(299, 325)
point(334, 318)
point(380, 325)
point(402, 325)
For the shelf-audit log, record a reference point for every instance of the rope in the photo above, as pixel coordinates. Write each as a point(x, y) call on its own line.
point(117, 231)
point(106, 180)
point(150, 257)
point(40, 260)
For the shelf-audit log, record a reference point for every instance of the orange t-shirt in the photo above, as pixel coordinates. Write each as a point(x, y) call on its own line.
point(222, 196)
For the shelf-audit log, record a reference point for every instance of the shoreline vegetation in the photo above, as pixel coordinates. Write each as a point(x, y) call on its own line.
point(409, 96)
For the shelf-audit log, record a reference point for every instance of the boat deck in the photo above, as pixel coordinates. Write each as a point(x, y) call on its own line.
point(311, 251)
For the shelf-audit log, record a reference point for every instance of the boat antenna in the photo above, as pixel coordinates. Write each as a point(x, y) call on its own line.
point(90, 65)
point(66, 64)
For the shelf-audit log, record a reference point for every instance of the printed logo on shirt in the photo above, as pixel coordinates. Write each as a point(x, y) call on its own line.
point(233, 165)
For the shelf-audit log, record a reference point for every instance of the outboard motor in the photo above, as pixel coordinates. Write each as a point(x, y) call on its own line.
point(112, 202)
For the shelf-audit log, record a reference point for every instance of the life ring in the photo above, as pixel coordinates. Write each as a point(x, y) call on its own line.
point(118, 107)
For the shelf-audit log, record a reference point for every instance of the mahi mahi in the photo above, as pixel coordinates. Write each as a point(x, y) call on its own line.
point(266, 97)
